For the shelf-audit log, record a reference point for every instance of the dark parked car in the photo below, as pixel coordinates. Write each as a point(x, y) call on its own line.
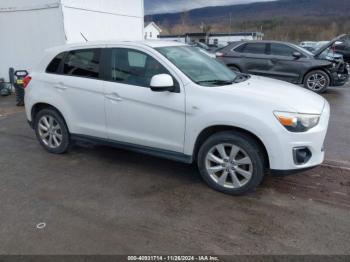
point(286, 61)
point(344, 49)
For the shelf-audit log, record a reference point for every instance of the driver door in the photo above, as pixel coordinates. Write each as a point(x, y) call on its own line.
point(284, 65)
point(135, 114)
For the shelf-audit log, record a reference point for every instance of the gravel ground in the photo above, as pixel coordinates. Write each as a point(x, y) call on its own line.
point(108, 201)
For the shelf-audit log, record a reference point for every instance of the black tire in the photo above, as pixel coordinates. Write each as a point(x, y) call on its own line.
point(235, 69)
point(64, 133)
point(251, 148)
point(321, 80)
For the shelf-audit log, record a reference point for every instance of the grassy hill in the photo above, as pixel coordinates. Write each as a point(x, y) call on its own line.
point(285, 19)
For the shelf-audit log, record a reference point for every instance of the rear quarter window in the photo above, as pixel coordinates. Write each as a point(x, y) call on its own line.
point(54, 66)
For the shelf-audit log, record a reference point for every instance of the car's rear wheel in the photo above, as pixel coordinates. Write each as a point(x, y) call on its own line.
point(317, 81)
point(51, 131)
point(231, 162)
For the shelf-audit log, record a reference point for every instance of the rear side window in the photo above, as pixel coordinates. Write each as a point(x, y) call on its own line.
point(54, 65)
point(83, 63)
point(254, 48)
point(281, 50)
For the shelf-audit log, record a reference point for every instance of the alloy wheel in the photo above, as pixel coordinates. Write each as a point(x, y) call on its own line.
point(229, 166)
point(316, 82)
point(50, 131)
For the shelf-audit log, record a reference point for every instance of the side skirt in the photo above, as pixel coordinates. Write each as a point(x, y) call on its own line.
point(170, 155)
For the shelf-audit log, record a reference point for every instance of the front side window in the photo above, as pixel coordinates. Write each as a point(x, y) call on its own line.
point(133, 67)
point(54, 66)
point(281, 50)
point(83, 63)
point(199, 67)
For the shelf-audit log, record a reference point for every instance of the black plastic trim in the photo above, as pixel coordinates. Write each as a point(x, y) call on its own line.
point(31, 124)
point(297, 159)
point(179, 157)
point(277, 172)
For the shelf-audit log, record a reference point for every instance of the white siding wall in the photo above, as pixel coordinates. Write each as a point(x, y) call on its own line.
point(103, 20)
point(26, 34)
point(25, 4)
point(27, 28)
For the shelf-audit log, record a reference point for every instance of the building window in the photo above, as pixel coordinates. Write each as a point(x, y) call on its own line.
point(150, 34)
point(216, 41)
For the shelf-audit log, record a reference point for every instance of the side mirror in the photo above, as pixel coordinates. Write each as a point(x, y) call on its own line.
point(297, 55)
point(162, 83)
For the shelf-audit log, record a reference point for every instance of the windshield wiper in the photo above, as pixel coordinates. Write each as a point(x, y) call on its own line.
point(216, 82)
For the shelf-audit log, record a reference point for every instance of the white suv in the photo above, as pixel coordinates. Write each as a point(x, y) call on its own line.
point(170, 100)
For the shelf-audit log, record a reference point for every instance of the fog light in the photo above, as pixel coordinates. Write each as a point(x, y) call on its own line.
point(301, 155)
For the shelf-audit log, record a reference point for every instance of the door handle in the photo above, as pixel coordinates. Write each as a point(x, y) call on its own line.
point(114, 97)
point(60, 86)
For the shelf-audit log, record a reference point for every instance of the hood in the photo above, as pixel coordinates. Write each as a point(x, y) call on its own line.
point(281, 95)
point(329, 44)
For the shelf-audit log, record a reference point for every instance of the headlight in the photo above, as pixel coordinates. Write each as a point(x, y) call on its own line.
point(295, 122)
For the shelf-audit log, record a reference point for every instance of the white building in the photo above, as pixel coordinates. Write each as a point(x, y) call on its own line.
point(27, 28)
point(218, 39)
point(152, 31)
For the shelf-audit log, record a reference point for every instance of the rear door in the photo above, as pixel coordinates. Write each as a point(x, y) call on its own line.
point(253, 58)
point(78, 86)
point(283, 65)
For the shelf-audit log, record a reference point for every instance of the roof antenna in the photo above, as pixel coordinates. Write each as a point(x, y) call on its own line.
point(84, 37)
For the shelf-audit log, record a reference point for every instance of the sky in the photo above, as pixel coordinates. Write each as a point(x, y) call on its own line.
point(170, 6)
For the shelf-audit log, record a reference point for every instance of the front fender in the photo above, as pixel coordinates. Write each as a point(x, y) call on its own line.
point(262, 128)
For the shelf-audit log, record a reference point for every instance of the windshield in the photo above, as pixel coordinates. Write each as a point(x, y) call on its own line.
point(199, 67)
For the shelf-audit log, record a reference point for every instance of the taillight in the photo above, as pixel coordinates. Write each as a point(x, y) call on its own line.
point(26, 81)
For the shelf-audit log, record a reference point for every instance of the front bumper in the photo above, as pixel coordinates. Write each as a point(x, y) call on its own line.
point(341, 76)
point(282, 157)
point(276, 172)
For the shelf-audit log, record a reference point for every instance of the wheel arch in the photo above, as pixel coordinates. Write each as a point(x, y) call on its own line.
point(40, 106)
point(209, 131)
point(318, 69)
point(229, 65)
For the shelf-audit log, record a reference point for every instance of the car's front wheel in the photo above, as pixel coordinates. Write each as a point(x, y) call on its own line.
point(51, 131)
point(231, 162)
point(317, 81)
point(235, 68)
